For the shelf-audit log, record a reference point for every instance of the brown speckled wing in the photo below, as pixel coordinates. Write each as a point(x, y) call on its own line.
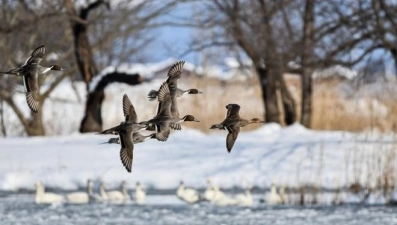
point(176, 69)
point(36, 56)
point(163, 92)
point(231, 137)
point(126, 155)
point(234, 111)
point(176, 126)
point(32, 93)
point(129, 110)
point(164, 107)
point(127, 148)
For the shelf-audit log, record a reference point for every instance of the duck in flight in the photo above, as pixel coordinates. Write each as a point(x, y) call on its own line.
point(173, 76)
point(130, 116)
point(126, 132)
point(164, 119)
point(232, 124)
point(175, 71)
point(30, 72)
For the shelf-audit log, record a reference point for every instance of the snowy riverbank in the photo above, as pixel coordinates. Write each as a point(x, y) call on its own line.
point(292, 156)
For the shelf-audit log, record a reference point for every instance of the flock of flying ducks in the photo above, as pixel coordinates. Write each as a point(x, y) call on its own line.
point(212, 194)
point(167, 116)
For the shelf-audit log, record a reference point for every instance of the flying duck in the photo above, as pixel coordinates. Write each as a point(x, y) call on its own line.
point(125, 131)
point(176, 70)
point(173, 76)
point(30, 72)
point(164, 119)
point(131, 116)
point(232, 123)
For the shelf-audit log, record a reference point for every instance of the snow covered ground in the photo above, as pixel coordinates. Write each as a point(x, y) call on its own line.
point(292, 156)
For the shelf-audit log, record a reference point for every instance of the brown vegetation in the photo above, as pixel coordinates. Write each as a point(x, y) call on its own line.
point(332, 110)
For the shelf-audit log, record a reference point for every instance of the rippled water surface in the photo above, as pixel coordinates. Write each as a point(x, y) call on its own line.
point(169, 210)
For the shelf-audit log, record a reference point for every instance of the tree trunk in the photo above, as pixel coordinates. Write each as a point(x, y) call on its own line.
point(35, 126)
point(269, 94)
point(3, 128)
point(83, 53)
point(393, 52)
point(92, 121)
point(307, 58)
point(288, 101)
point(273, 62)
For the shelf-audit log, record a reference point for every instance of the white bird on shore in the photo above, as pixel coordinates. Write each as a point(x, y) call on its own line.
point(115, 196)
point(46, 198)
point(93, 197)
point(140, 194)
point(79, 197)
point(124, 190)
point(223, 200)
point(212, 191)
point(214, 195)
point(187, 194)
point(283, 196)
point(245, 199)
point(272, 198)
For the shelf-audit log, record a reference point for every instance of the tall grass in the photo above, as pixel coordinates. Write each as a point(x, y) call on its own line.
point(336, 105)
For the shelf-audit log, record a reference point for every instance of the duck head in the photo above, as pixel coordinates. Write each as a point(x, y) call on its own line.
point(190, 118)
point(194, 91)
point(232, 106)
point(56, 67)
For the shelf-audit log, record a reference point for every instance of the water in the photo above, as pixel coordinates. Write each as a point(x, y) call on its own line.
point(169, 210)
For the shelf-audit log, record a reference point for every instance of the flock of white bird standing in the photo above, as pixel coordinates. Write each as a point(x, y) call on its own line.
point(89, 196)
point(212, 194)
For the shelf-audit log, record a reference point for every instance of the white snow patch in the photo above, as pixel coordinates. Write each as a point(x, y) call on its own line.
point(290, 156)
point(335, 71)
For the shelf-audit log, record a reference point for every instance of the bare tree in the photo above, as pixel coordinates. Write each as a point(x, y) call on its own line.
point(22, 30)
point(381, 14)
point(307, 59)
point(102, 33)
point(275, 33)
point(252, 26)
point(119, 23)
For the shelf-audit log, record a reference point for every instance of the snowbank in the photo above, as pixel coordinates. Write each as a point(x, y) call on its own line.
point(292, 156)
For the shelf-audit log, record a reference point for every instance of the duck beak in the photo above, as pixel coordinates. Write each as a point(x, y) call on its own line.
point(200, 92)
point(196, 120)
